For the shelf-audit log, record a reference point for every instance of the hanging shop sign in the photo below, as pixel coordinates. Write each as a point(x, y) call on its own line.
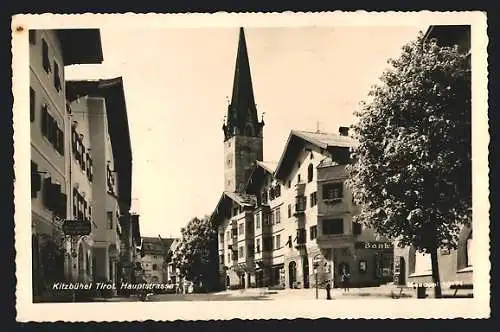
point(77, 227)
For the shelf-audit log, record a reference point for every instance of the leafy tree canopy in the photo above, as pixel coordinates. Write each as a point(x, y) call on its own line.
point(412, 165)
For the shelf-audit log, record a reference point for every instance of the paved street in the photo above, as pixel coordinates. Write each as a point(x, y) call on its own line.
point(263, 294)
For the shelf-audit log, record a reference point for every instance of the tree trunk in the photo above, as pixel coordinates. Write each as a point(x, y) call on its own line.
point(435, 274)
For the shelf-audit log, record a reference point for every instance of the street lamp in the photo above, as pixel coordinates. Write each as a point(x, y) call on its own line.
point(316, 261)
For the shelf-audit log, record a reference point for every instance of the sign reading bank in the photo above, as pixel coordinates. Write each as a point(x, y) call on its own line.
point(376, 245)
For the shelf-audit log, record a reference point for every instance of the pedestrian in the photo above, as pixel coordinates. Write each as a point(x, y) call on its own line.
point(328, 288)
point(345, 278)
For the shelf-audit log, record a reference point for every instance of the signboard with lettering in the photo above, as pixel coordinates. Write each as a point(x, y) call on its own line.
point(77, 227)
point(376, 245)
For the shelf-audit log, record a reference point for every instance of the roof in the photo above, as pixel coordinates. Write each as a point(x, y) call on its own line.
point(112, 91)
point(242, 110)
point(80, 46)
point(268, 165)
point(449, 35)
point(297, 139)
point(240, 198)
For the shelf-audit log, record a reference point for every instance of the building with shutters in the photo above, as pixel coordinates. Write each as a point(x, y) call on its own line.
point(455, 266)
point(277, 222)
point(49, 52)
point(102, 154)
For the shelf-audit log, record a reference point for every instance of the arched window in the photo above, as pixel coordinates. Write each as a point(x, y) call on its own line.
point(310, 173)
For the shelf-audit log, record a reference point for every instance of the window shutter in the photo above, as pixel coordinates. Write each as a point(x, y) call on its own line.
point(35, 180)
point(47, 187)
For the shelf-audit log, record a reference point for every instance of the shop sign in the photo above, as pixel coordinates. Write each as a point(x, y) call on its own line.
point(374, 245)
point(77, 227)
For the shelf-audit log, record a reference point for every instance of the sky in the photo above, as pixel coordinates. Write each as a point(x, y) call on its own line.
point(177, 82)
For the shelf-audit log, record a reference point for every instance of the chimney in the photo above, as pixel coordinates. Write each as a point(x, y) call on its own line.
point(344, 131)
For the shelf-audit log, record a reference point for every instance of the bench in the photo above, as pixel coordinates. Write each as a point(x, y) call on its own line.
point(401, 289)
point(461, 287)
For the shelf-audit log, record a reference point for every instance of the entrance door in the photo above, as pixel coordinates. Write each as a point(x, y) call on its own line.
point(305, 271)
point(292, 274)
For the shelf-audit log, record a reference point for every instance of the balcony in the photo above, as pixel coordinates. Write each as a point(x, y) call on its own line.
point(300, 188)
point(301, 239)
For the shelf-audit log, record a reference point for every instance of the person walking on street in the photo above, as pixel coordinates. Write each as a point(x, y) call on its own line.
point(345, 278)
point(328, 288)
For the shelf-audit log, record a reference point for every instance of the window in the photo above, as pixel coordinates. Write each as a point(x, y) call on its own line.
point(257, 245)
point(257, 220)
point(32, 104)
point(241, 252)
point(332, 191)
point(35, 180)
point(289, 184)
point(470, 252)
point(289, 242)
point(310, 173)
point(362, 266)
point(298, 178)
point(228, 235)
point(289, 210)
point(277, 190)
point(241, 229)
point(278, 242)
point(45, 56)
point(333, 226)
point(278, 215)
point(313, 232)
point(109, 216)
point(301, 203)
point(229, 257)
point(32, 37)
point(264, 197)
point(265, 219)
point(313, 199)
point(356, 228)
point(45, 120)
point(155, 267)
point(57, 78)
point(301, 236)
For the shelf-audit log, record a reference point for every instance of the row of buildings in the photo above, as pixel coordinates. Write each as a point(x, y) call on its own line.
point(81, 166)
point(289, 223)
point(156, 260)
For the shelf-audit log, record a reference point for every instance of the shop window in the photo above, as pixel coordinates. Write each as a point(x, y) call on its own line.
point(332, 191)
point(310, 173)
point(363, 266)
point(45, 56)
point(313, 232)
point(32, 104)
point(333, 226)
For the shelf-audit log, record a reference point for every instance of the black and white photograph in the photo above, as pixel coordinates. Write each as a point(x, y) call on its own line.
point(302, 164)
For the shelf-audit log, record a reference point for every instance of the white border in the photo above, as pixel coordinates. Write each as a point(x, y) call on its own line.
point(478, 307)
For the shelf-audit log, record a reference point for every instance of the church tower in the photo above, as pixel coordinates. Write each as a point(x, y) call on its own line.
point(243, 133)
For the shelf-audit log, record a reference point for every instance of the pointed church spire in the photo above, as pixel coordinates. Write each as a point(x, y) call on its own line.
point(242, 112)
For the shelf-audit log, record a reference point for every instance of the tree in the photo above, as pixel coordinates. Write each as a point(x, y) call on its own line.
point(411, 170)
point(196, 255)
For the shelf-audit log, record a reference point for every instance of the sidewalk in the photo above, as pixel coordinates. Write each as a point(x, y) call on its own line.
point(383, 291)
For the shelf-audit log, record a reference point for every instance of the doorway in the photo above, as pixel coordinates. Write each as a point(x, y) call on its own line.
point(292, 274)
point(305, 271)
